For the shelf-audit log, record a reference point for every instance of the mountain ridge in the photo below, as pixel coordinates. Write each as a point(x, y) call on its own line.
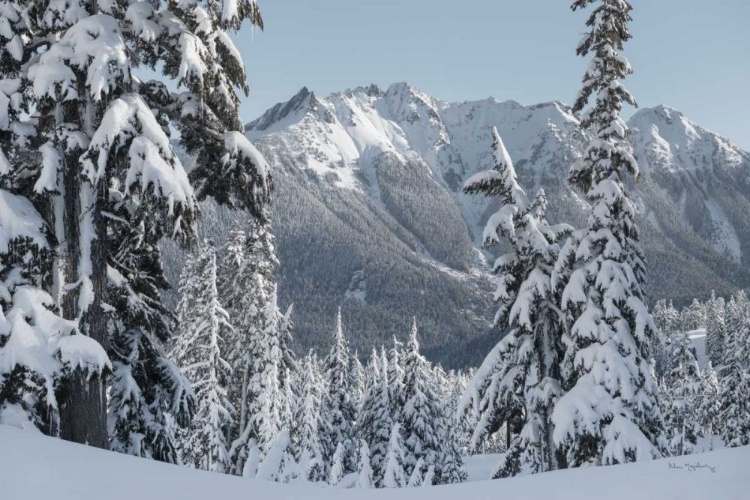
point(370, 217)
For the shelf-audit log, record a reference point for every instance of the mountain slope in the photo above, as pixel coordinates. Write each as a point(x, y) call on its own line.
point(369, 213)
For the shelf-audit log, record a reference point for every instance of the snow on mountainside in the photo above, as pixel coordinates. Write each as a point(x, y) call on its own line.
point(369, 213)
point(40, 468)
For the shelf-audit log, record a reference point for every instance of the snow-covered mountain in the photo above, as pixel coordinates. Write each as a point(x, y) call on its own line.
point(369, 213)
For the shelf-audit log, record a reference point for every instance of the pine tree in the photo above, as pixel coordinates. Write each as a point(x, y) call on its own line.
point(341, 407)
point(395, 374)
point(715, 329)
point(337, 465)
point(394, 475)
point(679, 401)
point(147, 389)
point(522, 374)
point(310, 453)
point(374, 423)
point(708, 403)
point(603, 271)
point(87, 134)
point(278, 463)
point(734, 405)
point(365, 478)
point(199, 350)
point(422, 419)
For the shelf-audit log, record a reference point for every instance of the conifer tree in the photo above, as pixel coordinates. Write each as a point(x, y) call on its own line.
point(715, 329)
point(603, 270)
point(708, 403)
point(86, 134)
point(337, 465)
point(679, 401)
point(422, 420)
point(364, 479)
point(278, 463)
point(199, 351)
point(341, 406)
point(522, 374)
point(395, 374)
point(394, 475)
point(147, 389)
point(310, 453)
point(734, 404)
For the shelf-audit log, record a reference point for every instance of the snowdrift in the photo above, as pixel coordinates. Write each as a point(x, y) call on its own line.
point(34, 467)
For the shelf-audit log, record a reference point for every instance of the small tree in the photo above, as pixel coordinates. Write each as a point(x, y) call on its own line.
point(680, 400)
point(394, 475)
point(365, 479)
point(734, 405)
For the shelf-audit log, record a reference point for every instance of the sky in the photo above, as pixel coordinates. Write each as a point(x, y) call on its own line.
point(688, 54)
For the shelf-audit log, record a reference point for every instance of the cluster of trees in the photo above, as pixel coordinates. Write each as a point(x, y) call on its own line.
point(573, 376)
point(261, 412)
point(712, 401)
point(89, 185)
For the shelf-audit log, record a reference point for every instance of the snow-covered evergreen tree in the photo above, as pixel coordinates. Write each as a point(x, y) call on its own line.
point(337, 465)
point(364, 477)
point(708, 404)
point(680, 399)
point(310, 452)
point(342, 409)
point(86, 134)
point(610, 412)
point(395, 375)
point(422, 418)
point(715, 329)
point(199, 351)
point(522, 374)
point(278, 463)
point(734, 380)
point(147, 389)
point(394, 475)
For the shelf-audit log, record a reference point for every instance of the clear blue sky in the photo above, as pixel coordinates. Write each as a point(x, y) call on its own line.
point(689, 54)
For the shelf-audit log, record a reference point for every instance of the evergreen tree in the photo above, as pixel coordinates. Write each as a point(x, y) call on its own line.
point(715, 329)
point(84, 134)
point(679, 401)
point(422, 420)
point(278, 463)
point(734, 404)
point(341, 407)
point(708, 403)
point(394, 475)
point(310, 453)
point(199, 350)
point(364, 479)
point(147, 389)
point(603, 271)
point(395, 374)
point(522, 374)
point(337, 465)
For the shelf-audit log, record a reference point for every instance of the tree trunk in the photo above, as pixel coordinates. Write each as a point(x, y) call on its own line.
point(83, 410)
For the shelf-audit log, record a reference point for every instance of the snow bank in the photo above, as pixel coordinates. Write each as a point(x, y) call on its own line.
point(37, 467)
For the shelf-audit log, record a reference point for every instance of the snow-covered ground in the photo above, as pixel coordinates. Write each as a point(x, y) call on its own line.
point(35, 467)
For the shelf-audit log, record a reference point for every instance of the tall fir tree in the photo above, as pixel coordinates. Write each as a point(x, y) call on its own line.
point(310, 452)
point(715, 329)
point(394, 475)
point(364, 476)
point(680, 399)
point(374, 423)
point(603, 270)
point(522, 374)
point(199, 351)
point(708, 404)
point(342, 408)
point(85, 133)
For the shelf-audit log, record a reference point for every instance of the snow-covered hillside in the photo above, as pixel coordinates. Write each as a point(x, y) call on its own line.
point(369, 213)
point(36, 467)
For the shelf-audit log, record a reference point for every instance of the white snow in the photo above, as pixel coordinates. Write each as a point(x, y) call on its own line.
point(699, 341)
point(39, 467)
